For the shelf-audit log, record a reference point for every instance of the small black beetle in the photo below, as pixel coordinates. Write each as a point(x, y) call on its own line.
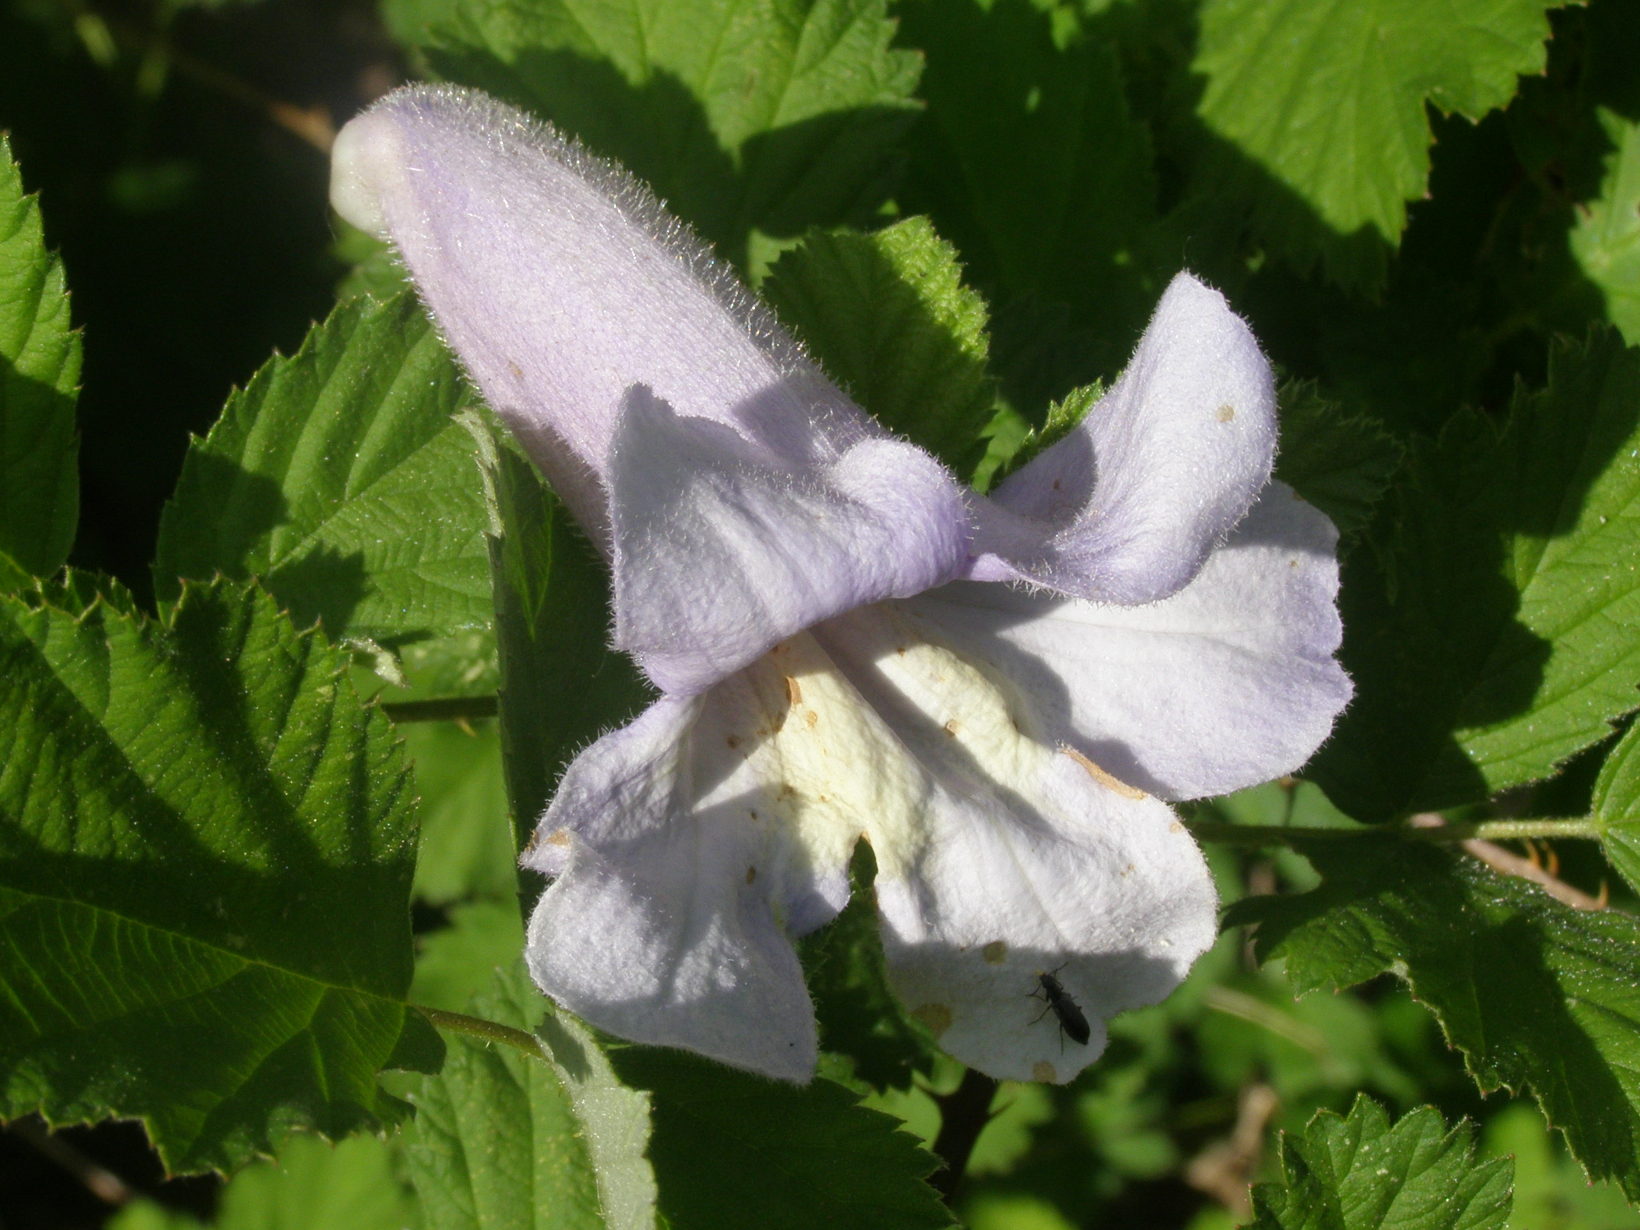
point(1065, 1009)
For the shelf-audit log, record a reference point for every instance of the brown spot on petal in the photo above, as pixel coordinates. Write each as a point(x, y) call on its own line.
point(951, 728)
point(558, 837)
point(1041, 1071)
point(995, 953)
point(752, 812)
point(751, 874)
point(794, 692)
point(937, 1017)
point(811, 719)
point(1226, 413)
point(787, 791)
point(517, 371)
point(1175, 827)
point(1103, 778)
point(733, 740)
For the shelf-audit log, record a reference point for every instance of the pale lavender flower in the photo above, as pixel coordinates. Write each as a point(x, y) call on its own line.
point(996, 693)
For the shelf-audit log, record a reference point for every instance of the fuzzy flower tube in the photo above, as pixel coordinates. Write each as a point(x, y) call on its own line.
point(999, 694)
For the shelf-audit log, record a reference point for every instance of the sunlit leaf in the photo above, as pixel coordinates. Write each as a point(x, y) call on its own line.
point(191, 814)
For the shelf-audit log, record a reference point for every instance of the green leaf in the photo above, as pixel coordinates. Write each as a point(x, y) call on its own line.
point(1551, 1192)
point(1359, 1173)
point(458, 962)
point(1537, 996)
point(466, 836)
point(1605, 242)
point(751, 118)
point(732, 1150)
point(1339, 462)
point(561, 683)
point(310, 1185)
point(1029, 161)
point(503, 1139)
point(191, 814)
point(340, 479)
point(39, 379)
point(1315, 111)
point(1062, 418)
point(1490, 615)
point(1616, 806)
point(888, 316)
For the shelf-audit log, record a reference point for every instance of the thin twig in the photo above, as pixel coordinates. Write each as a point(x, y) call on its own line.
point(442, 709)
point(1512, 864)
point(101, 1182)
point(1507, 861)
point(310, 125)
point(1224, 1169)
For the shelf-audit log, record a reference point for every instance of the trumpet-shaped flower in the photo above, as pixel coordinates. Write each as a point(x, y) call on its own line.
point(998, 694)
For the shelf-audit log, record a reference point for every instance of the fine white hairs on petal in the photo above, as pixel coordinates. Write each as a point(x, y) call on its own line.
point(721, 551)
point(1129, 505)
point(1230, 682)
point(561, 283)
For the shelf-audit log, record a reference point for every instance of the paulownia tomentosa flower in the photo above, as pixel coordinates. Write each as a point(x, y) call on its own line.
point(997, 693)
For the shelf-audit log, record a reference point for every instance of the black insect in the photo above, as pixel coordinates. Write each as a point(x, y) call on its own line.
point(1064, 1008)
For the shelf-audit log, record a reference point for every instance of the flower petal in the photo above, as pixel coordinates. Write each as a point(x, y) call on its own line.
point(1127, 507)
point(1018, 860)
point(663, 923)
point(722, 550)
point(1104, 891)
point(1228, 683)
point(560, 282)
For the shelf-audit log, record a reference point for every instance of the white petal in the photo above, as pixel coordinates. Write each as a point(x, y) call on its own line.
point(1127, 507)
point(1228, 683)
point(1099, 887)
point(561, 282)
point(682, 842)
point(1018, 860)
point(668, 945)
point(722, 550)
point(664, 923)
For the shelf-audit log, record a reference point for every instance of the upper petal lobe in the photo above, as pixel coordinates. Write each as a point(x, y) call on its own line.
point(722, 550)
point(1128, 507)
point(1228, 683)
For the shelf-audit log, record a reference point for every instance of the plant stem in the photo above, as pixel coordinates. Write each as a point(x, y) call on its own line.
point(441, 709)
point(964, 1112)
point(489, 1031)
point(1490, 830)
point(1515, 830)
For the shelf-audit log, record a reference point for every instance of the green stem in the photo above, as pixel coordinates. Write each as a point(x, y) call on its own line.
point(489, 1031)
point(441, 709)
point(964, 1112)
point(1489, 830)
point(1267, 834)
point(1516, 830)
